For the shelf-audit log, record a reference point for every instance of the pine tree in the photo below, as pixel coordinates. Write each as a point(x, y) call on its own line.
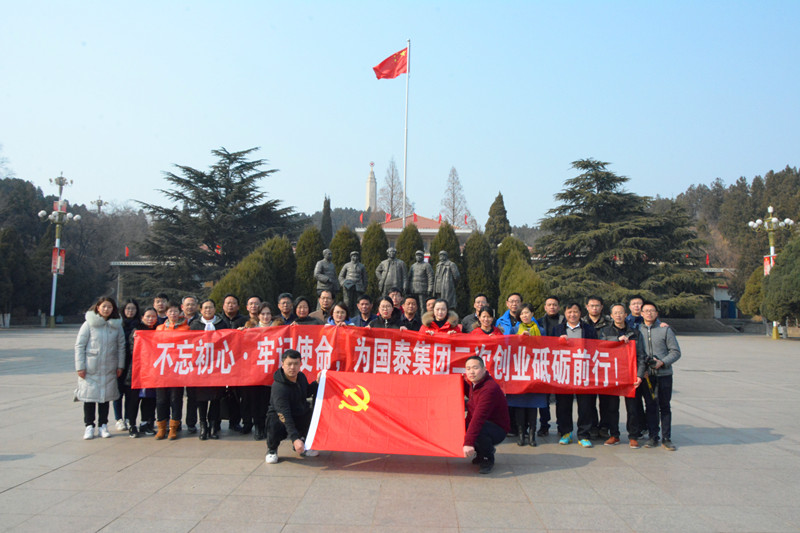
point(408, 243)
point(479, 268)
point(753, 298)
point(373, 251)
point(217, 217)
point(253, 276)
point(603, 240)
point(280, 254)
point(510, 245)
point(519, 276)
point(782, 286)
point(308, 252)
point(343, 243)
point(326, 226)
point(497, 226)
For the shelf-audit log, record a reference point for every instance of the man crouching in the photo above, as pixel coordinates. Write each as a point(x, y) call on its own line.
point(289, 413)
point(487, 415)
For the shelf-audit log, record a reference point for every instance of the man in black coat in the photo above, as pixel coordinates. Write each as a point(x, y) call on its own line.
point(289, 413)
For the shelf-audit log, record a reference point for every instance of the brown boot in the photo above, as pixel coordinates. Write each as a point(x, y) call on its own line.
point(161, 431)
point(174, 427)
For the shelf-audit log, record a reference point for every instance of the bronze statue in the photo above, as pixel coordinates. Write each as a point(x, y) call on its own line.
point(353, 278)
point(444, 285)
point(391, 273)
point(420, 279)
point(325, 274)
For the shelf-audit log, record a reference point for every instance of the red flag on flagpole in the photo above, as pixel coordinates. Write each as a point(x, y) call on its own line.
point(440, 218)
point(708, 260)
point(415, 217)
point(393, 66)
point(388, 217)
point(465, 219)
point(389, 413)
point(127, 252)
point(361, 218)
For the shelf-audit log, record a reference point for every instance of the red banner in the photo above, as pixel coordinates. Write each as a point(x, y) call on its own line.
point(384, 413)
point(519, 363)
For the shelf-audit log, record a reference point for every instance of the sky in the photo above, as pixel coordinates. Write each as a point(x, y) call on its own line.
point(672, 94)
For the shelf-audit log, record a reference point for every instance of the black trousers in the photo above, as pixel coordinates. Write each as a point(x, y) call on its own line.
point(88, 413)
point(525, 417)
point(132, 401)
point(207, 412)
point(609, 414)
point(635, 415)
point(276, 430)
point(169, 403)
point(255, 402)
point(191, 408)
point(659, 408)
point(490, 435)
point(148, 408)
point(586, 418)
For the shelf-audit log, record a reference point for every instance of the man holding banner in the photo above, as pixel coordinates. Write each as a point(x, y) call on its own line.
point(487, 415)
point(289, 413)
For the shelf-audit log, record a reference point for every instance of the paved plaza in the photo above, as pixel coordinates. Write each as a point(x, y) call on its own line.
point(737, 467)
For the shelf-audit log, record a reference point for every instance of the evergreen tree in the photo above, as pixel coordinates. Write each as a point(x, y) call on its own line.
point(217, 218)
point(16, 289)
point(254, 275)
point(408, 243)
point(753, 297)
point(479, 268)
point(344, 242)
point(511, 245)
point(308, 252)
point(373, 251)
point(519, 276)
point(281, 256)
point(326, 226)
point(782, 286)
point(497, 226)
point(604, 240)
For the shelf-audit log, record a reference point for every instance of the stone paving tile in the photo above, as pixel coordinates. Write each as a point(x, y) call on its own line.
point(499, 515)
point(274, 486)
point(252, 509)
point(335, 511)
point(175, 506)
point(11, 520)
point(744, 518)
point(133, 480)
point(226, 466)
point(204, 484)
point(62, 524)
point(662, 519)
point(487, 489)
point(422, 513)
point(28, 501)
point(416, 487)
point(347, 488)
point(13, 477)
point(108, 505)
point(578, 516)
point(208, 526)
point(147, 523)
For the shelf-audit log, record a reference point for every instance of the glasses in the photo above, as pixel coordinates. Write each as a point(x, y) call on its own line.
point(649, 311)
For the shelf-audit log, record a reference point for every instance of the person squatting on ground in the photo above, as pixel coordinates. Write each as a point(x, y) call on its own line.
point(289, 412)
point(487, 419)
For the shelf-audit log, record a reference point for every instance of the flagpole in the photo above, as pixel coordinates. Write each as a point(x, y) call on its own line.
point(405, 141)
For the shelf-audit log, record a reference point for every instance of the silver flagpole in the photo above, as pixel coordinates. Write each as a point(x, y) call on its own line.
point(405, 142)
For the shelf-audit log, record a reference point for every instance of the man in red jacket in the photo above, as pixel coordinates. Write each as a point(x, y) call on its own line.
point(487, 415)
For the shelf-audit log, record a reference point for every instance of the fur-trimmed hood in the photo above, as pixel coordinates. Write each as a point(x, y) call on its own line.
point(452, 318)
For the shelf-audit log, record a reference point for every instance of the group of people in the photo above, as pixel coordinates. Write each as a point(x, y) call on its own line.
point(104, 349)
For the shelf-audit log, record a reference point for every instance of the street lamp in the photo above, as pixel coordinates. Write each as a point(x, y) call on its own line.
point(59, 217)
point(771, 224)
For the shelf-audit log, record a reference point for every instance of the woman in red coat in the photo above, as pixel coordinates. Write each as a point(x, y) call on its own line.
point(440, 320)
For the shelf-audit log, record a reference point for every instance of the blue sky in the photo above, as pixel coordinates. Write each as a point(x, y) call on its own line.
point(510, 93)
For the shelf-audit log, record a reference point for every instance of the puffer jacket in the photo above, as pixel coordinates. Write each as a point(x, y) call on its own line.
point(662, 344)
point(100, 351)
point(430, 326)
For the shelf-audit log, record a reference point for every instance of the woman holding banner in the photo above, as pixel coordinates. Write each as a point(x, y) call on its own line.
point(207, 398)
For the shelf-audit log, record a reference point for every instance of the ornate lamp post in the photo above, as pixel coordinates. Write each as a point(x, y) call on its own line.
point(771, 224)
point(59, 217)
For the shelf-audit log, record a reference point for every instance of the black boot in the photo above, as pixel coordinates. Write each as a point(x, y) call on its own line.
point(520, 436)
point(259, 433)
point(203, 430)
point(213, 431)
point(532, 437)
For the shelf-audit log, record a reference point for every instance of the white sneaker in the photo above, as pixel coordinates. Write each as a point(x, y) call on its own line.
point(272, 458)
point(104, 431)
point(89, 433)
point(310, 453)
point(121, 426)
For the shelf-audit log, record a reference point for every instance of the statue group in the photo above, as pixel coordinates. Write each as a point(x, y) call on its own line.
point(420, 280)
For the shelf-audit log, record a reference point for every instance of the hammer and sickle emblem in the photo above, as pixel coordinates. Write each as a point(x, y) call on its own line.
point(361, 402)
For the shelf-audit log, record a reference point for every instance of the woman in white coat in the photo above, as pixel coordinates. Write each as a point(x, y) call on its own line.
point(99, 361)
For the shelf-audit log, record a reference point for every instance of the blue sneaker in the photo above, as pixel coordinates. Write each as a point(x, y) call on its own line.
point(586, 443)
point(566, 438)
